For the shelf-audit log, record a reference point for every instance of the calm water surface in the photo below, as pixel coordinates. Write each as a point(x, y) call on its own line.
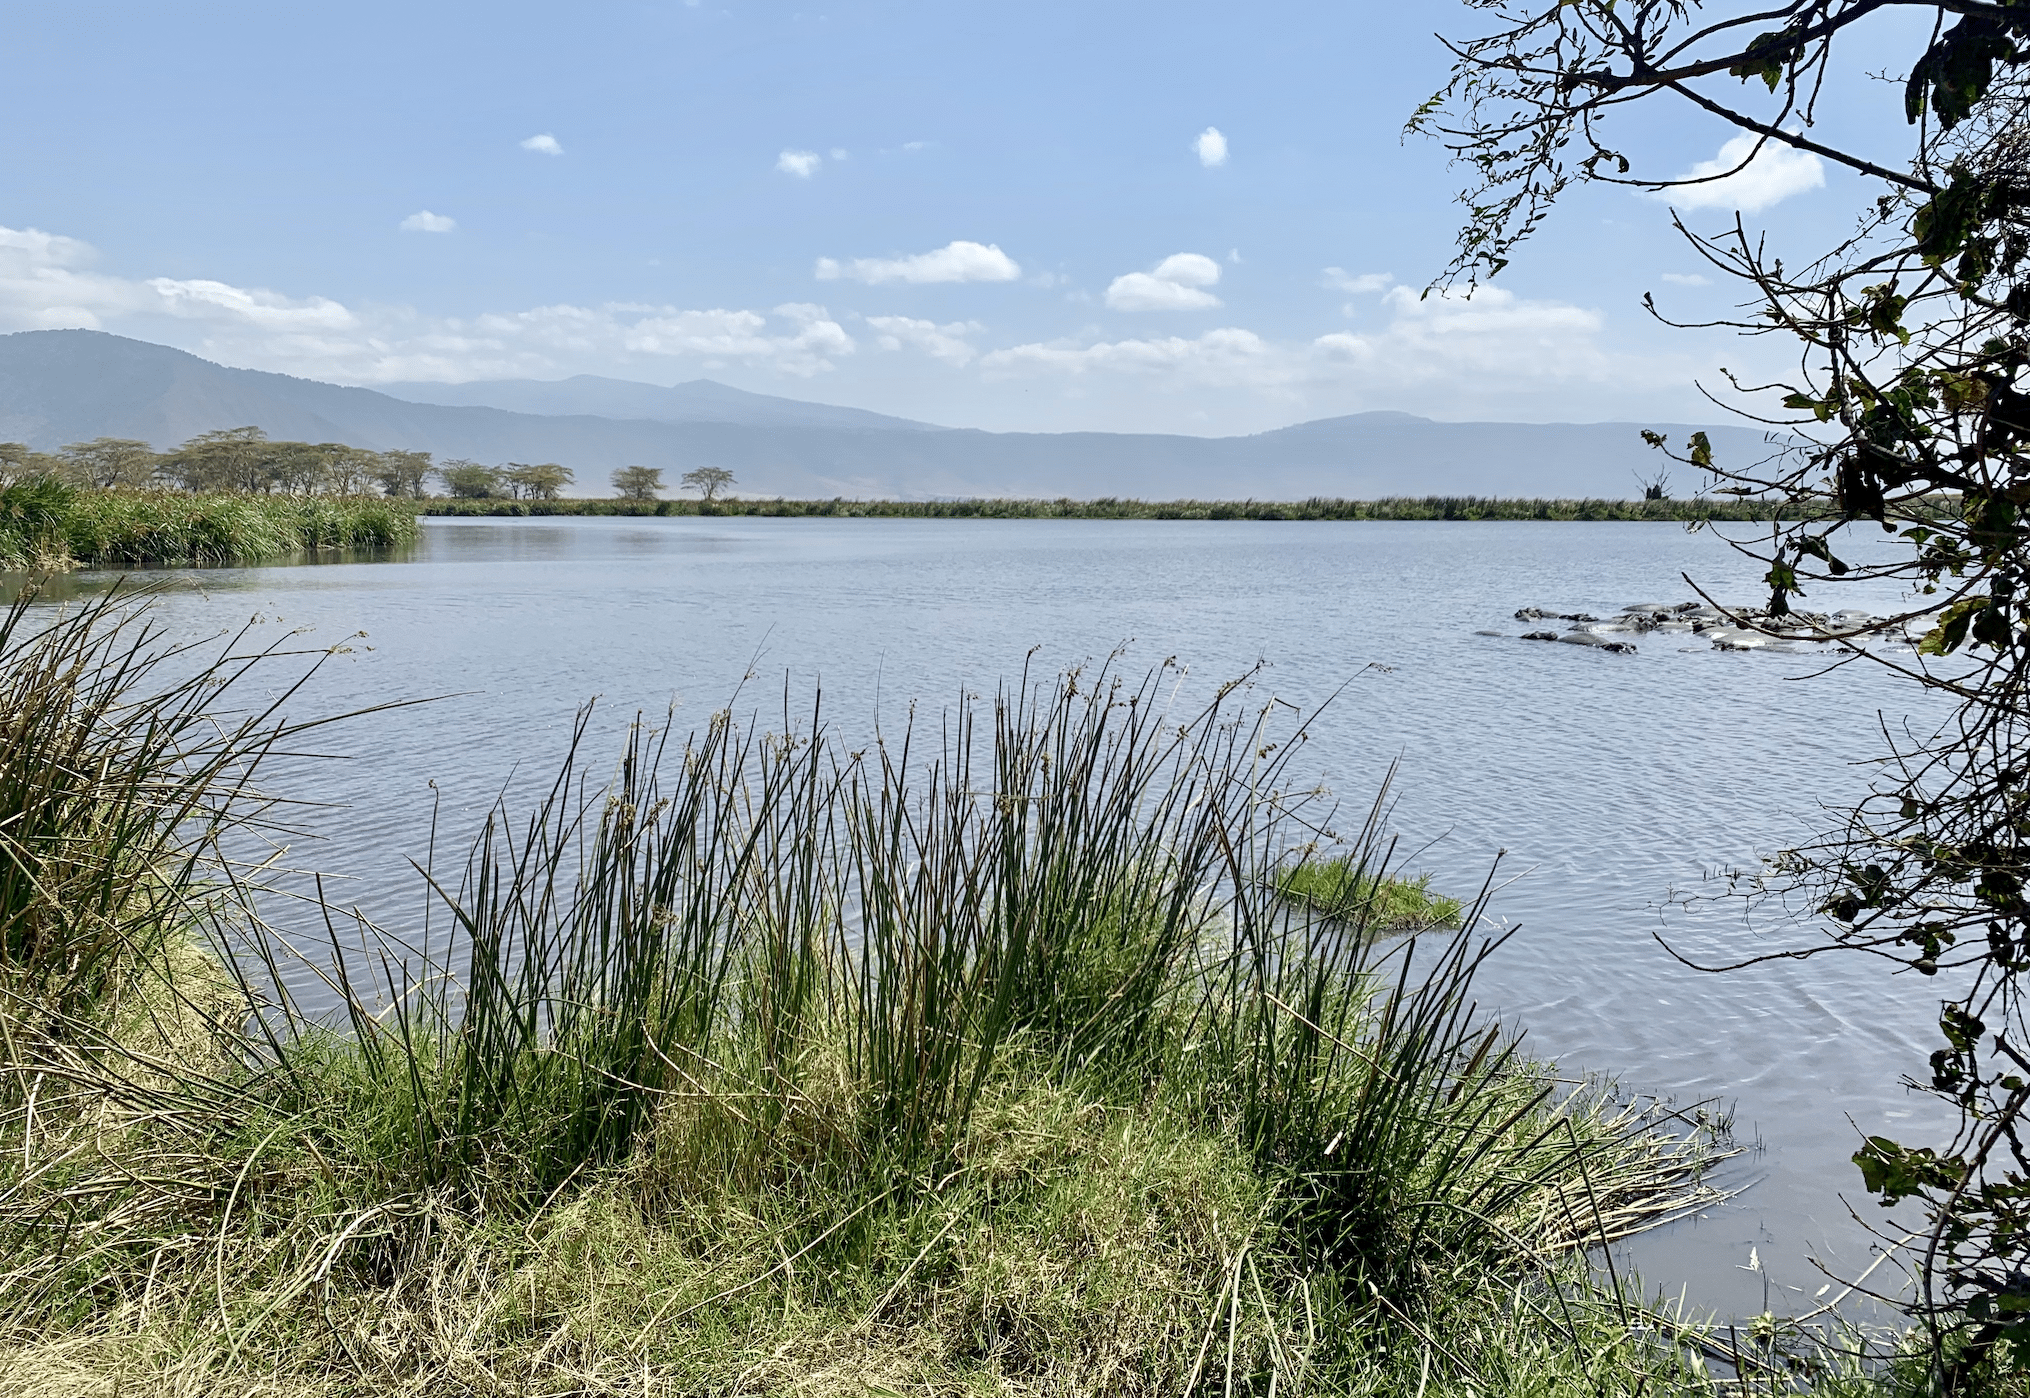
point(1610, 781)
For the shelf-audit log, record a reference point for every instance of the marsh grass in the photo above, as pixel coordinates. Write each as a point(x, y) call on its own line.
point(1341, 888)
point(48, 524)
point(981, 1056)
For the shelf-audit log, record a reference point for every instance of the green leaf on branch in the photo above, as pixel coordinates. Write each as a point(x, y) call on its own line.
point(1951, 632)
point(1955, 72)
point(1766, 57)
point(1896, 1171)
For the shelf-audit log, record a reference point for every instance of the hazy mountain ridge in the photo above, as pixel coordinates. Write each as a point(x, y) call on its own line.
point(700, 400)
point(59, 386)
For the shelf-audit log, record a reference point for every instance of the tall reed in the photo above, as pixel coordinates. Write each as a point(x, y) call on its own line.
point(47, 523)
point(802, 1024)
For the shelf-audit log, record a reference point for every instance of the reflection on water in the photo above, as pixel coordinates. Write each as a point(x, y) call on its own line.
point(1610, 781)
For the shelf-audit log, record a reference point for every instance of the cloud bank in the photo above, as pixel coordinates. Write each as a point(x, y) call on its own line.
point(1177, 283)
point(47, 283)
point(959, 261)
point(945, 342)
point(1454, 352)
point(1489, 337)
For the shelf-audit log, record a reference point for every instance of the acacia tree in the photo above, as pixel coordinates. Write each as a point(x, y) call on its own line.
point(469, 480)
point(708, 481)
point(110, 462)
point(230, 459)
point(638, 482)
point(1906, 410)
point(402, 474)
point(541, 482)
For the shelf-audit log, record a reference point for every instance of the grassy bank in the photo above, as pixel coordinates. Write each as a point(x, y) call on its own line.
point(983, 1058)
point(51, 525)
point(1434, 507)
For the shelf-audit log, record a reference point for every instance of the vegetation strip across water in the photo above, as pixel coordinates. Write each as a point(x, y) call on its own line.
point(1431, 507)
point(975, 1058)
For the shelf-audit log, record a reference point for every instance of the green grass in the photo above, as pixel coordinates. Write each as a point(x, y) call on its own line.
point(979, 1057)
point(47, 524)
point(1435, 507)
point(1342, 888)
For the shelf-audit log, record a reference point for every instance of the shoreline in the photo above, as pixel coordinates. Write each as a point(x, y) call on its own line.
point(1402, 508)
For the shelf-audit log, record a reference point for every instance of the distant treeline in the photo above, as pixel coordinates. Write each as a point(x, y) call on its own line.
point(1430, 507)
point(245, 461)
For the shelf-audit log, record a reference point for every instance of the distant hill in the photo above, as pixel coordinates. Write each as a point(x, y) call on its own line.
point(59, 386)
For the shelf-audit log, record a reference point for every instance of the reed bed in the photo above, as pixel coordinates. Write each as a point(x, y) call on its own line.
point(979, 1056)
point(48, 524)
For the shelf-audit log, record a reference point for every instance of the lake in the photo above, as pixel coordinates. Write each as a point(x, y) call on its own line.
point(1610, 781)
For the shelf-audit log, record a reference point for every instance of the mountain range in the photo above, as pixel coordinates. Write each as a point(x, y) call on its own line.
point(61, 386)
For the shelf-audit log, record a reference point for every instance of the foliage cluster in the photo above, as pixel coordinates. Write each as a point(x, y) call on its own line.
point(974, 1059)
point(1907, 410)
point(469, 480)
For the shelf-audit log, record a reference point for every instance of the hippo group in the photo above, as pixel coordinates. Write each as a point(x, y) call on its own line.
point(1797, 632)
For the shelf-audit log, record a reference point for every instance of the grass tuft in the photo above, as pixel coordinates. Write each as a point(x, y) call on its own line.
point(1343, 889)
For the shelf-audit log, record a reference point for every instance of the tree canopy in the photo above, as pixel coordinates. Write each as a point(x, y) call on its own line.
point(638, 482)
point(1905, 411)
point(708, 481)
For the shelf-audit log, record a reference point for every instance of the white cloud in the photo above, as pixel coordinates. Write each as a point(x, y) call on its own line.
point(1777, 172)
point(1337, 279)
point(1685, 279)
point(1489, 336)
point(46, 284)
point(545, 144)
point(801, 163)
point(424, 221)
point(959, 261)
point(1211, 147)
point(1175, 284)
point(946, 342)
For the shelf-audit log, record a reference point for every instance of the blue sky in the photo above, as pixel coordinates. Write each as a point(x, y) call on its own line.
point(1000, 217)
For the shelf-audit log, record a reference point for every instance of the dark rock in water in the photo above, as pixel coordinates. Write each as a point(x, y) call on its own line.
point(1540, 635)
point(1619, 647)
point(1539, 614)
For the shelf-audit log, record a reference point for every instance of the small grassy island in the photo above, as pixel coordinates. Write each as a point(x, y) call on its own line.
point(1340, 888)
point(1009, 1057)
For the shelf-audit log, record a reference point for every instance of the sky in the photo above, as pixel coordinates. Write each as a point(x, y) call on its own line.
point(1191, 217)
